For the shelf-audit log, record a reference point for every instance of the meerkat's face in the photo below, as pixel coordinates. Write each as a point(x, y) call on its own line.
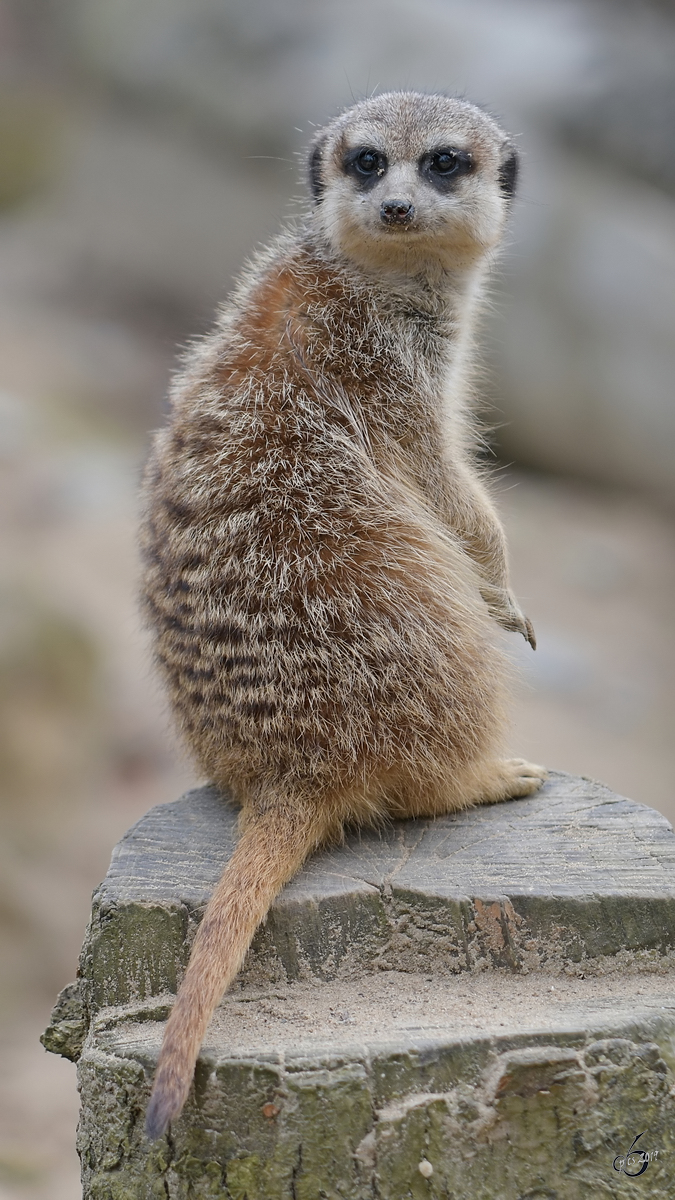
point(405, 181)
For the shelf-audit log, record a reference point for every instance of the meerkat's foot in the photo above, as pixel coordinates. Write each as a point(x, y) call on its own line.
point(513, 777)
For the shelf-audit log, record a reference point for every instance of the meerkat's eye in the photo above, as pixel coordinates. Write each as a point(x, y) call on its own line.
point(443, 166)
point(444, 163)
point(365, 165)
point(368, 161)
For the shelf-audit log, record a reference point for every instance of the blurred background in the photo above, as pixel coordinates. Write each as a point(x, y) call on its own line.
point(146, 147)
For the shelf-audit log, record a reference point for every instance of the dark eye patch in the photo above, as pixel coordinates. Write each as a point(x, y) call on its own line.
point(444, 166)
point(365, 165)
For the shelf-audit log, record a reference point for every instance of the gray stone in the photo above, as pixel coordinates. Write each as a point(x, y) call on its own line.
point(488, 995)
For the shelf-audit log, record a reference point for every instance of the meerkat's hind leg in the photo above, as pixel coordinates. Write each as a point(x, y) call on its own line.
point(508, 779)
point(486, 782)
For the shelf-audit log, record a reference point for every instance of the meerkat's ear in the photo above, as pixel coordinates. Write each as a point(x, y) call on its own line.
point(314, 167)
point(508, 171)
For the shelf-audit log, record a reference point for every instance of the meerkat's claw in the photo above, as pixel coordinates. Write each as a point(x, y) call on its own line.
point(529, 634)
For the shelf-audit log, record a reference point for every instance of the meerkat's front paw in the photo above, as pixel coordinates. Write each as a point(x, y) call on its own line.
point(516, 622)
point(503, 607)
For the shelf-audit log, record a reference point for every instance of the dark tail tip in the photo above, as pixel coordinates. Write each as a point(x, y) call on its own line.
point(159, 1114)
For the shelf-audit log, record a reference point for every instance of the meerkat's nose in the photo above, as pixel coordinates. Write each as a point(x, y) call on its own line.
point(397, 212)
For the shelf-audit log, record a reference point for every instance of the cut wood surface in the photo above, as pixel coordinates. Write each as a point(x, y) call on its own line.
point(571, 874)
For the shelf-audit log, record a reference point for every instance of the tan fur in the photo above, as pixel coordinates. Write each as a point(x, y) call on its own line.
point(322, 558)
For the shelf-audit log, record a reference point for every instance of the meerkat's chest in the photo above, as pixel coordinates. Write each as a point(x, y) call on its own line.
point(391, 364)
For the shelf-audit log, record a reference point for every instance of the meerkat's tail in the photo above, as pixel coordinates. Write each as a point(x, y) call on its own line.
point(273, 846)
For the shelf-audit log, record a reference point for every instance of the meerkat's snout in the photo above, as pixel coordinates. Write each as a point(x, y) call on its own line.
point(397, 212)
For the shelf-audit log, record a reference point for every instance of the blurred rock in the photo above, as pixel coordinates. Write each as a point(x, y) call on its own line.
point(247, 73)
point(626, 112)
point(632, 126)
point(584, 354)
point(29, 128)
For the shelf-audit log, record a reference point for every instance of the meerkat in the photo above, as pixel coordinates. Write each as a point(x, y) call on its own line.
point(323, 561)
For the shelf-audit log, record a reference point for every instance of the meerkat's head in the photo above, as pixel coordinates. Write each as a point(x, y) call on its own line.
point(406, 181)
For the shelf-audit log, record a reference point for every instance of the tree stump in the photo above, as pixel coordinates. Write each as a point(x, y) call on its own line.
point(478, 1007)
